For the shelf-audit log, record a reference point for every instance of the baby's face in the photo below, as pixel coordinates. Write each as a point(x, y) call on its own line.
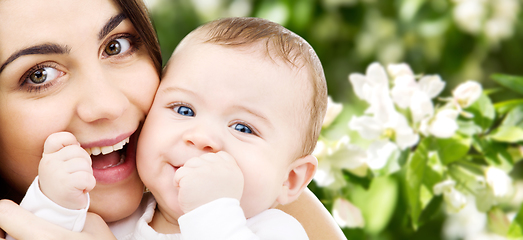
point(215, 98)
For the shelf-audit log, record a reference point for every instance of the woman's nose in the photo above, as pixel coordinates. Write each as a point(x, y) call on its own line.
point(203, 138)
point(101, 98)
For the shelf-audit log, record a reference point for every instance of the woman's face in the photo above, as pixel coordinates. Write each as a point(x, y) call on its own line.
point(75, 66)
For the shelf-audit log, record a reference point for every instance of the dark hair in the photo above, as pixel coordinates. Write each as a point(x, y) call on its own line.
point(137, 13)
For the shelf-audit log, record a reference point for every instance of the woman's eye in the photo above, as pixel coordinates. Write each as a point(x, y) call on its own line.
point(117, 46)
point(43, 75)
point(242, 128)
point(184, 111)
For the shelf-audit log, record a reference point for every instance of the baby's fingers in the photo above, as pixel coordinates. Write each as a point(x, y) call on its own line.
point(78, 164)
point(57, 141)
point(83, 181)
point(180, 174)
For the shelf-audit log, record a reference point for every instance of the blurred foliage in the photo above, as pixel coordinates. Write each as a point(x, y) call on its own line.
point(445, 37)
point(349, 34)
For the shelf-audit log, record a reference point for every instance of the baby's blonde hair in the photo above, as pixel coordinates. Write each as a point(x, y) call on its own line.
point(284, 44)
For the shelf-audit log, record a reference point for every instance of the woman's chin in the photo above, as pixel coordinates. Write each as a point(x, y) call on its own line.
point(114, 203)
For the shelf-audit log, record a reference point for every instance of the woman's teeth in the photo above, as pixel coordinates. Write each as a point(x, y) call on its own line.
point(107, 149)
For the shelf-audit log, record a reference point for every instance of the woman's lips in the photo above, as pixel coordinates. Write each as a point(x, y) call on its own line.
point(112, 159)
point(116, 165)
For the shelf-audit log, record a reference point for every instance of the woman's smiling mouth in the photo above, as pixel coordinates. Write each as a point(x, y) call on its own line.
point(114, 163)
point(107, 149)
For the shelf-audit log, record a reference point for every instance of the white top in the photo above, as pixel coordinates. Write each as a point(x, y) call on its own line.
point(220, 219)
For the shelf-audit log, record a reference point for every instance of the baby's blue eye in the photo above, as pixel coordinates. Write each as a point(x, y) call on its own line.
point(185, 111)
point(242, 128)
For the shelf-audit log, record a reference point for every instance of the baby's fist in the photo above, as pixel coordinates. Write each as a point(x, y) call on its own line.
point(65, 173)
point(207, 178)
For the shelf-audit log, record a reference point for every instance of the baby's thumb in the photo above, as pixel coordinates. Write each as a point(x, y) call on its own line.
point(59, 140)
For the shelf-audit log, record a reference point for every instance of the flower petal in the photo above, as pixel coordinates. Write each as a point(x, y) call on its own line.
point(467, 93)
point(346, 214)
point(404, 87)
point(498, 181)
point(358, 81)
point(444, 125)
point(443, 186)
point(432, 85)
point(400, 69)
point(333, 110)
point(455, 200)
point(379, 153)
point(324, 175)
point(377, 76)
point(348, 156)
point(367, 127)
point(420, 106)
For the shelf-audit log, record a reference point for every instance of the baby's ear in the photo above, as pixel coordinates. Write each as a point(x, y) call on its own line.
point(299, 175)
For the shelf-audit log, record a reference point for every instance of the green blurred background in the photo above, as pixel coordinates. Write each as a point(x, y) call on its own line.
point(458, 39)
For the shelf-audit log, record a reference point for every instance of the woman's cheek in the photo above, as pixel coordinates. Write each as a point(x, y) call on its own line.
point(145, 86)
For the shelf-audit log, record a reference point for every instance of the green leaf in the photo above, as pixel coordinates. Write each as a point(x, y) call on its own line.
point(414, 178)
point(431, 210)
point(392, 165)
point(495, 153)
point(361, 181)
point(515, 230)
point(514, 117)
point(377, 204)
point(514, 83)
point(452, 149)
point(498, 221)
point(468, 127)
point(484, 112)
point(433, 171)
point(509, 134)
point(505, 106)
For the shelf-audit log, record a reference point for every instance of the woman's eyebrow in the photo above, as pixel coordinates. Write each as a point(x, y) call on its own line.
point(110, 25)
point(46, 48)
point(51, 48)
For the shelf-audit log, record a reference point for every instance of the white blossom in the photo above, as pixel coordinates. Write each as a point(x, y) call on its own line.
point(432, 85)
point(455, 199)
point(324, 175)
point(420, 106)
point(378, 153)
point(469, 15)
point(404, 88)
point(493, 18)
point(465, 224)
point(414, 95)
point(381, 121)
point(374, 83)
point(498, 181)
point(346, 156)
point(346, 214)
point(467, 93)
point(394, 127)
point(151, 4)
point(400, 69)
point(207, 9)
point(443, 125)
point(333, 110)
point(497, 29)
point(333, 158)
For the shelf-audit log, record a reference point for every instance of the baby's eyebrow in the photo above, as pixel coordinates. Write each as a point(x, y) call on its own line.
point(253, 112)
point(176, 89)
